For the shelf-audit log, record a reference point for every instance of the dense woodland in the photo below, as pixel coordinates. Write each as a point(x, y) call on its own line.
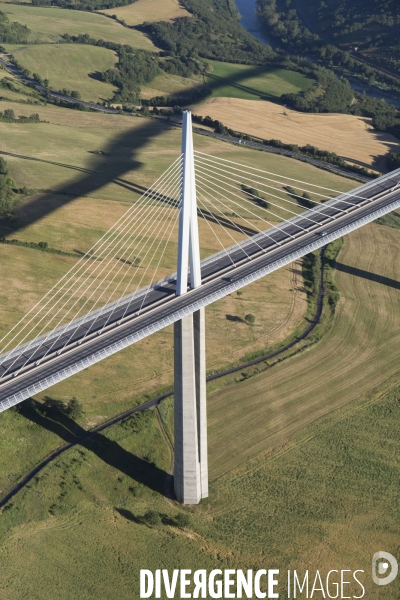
point(286, 25)
point(12, 33)
point(214, 33)
point(329, 94)
point(373, 26)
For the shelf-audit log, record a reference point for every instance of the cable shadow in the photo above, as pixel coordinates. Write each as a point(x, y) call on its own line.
point(364, 274)
point(53, 418)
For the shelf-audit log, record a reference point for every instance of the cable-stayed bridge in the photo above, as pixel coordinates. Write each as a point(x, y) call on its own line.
point(102, 305)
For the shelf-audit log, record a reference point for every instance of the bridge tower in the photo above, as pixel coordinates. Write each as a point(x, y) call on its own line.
point(190, 412)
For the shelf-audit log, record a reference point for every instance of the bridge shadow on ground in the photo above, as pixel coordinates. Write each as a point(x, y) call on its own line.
point(106, 170)
point(119, 158)
point(51, 416)
point(364, 274)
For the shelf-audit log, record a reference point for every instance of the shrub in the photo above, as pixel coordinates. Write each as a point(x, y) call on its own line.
point(250, 319)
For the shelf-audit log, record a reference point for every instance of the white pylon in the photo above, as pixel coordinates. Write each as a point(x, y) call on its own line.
point(190, 411)
point(188, 240)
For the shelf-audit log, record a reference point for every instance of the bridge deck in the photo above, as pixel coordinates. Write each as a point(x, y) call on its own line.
point(86, 342)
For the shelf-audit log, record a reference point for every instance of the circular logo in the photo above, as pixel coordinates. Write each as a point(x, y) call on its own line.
point(384, 568)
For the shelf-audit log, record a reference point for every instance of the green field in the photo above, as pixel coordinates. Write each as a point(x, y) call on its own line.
point(23, 94)
point(69, 66)
point(47, 24)
point(234, 81)
point(169, 85)
point(254, 83)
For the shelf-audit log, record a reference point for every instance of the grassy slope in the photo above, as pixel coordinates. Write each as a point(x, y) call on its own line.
point(167, 84)
point(234, 80)
point(254, 83)
point(361, 352)
point(69, 66)
point(287, 508)
point(23, 94)
point(47, 24)
point(148, 10)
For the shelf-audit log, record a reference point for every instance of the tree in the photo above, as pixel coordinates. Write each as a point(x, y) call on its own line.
point(152, 518)
point(250, 319)
point(9, 114)
point(37, 78)
point(74, 408)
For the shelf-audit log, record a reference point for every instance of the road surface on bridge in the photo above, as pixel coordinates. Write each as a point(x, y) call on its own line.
point(93, 338)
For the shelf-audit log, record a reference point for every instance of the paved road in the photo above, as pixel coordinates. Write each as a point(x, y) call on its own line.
point(318, 163)
point(98, 336)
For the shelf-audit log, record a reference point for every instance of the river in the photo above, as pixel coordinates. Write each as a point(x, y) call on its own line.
point(250, 22)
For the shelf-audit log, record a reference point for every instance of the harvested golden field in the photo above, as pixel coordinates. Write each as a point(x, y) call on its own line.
point(148, 10)
point(361, 352)
point(351, 137)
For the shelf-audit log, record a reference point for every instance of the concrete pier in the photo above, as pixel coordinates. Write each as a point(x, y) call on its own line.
point(191, 465)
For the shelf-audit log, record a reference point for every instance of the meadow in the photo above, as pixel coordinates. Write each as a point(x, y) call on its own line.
point(351, 137)
point(147, 11)
point(254, 83)
point(229, 80)
point(23, 94)
point(169, 85)
point(69, 66)
point(47, 24)
point(58, 155)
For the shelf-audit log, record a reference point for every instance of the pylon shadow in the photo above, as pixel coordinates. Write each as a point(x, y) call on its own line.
point(365, 274)
point(51, 416)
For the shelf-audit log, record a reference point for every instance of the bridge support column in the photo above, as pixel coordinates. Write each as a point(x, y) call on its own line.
point(190, 469)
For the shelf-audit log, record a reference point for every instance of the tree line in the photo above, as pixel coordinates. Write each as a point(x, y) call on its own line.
point(7, 191)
